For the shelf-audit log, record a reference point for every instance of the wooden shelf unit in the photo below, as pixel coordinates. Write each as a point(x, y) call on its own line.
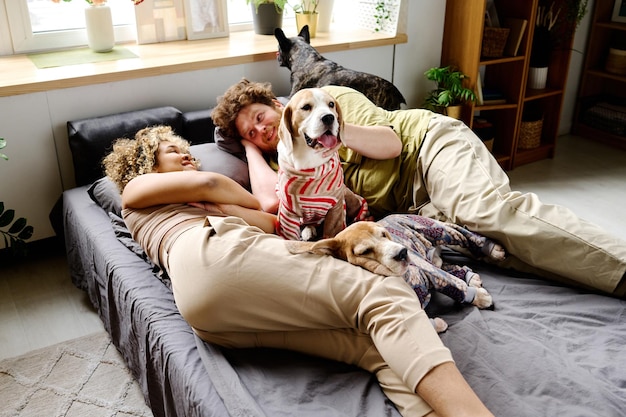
point(462, 40)
point(596, 83)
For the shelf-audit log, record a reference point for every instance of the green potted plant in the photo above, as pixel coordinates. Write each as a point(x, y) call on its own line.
point(450, 92)
point(267, 15)
point(306, 14)
point(14, 233)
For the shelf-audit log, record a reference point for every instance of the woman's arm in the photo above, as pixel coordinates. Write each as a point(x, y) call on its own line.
point(264, 221)
point(184, 187)
point(263, 178)
point(376, 142)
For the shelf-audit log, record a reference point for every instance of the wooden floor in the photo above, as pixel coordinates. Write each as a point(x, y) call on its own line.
point(39, 306)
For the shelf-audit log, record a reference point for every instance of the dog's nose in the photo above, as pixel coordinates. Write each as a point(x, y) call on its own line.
point(401, 255)
point(328, 119)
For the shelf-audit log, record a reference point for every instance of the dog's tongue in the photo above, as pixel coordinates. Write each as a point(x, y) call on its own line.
point(328, 140)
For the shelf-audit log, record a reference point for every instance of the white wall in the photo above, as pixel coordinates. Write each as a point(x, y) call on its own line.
point(35, 124)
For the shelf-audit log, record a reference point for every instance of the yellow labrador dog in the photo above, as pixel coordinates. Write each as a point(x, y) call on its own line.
point(310, 185)
point(408, 245)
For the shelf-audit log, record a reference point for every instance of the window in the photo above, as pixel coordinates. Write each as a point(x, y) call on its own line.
point(43, 24)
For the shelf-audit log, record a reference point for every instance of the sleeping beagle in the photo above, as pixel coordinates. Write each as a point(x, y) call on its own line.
point(310, 187)
point(408, 245)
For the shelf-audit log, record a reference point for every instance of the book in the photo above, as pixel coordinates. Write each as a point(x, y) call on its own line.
point(518, 27)
point(479, 91)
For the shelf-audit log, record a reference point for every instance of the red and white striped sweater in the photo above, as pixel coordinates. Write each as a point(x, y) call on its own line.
point(306, 196)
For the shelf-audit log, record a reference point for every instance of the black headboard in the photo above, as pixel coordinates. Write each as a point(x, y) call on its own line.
point(91, 139)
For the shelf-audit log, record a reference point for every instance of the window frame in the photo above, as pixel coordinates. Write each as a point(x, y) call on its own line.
point(23, 40)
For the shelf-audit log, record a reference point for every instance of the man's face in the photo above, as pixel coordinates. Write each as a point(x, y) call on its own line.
point(258, 123)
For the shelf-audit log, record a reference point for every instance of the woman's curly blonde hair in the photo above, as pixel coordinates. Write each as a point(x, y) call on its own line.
point(237, 97)
point(133, 157)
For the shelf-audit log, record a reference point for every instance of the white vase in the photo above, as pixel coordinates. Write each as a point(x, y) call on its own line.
point(537, 77)
point(325, 10)
point(99, 25)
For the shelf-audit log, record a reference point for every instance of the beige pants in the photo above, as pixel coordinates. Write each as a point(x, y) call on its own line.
point(239, 287)
point(467, 186)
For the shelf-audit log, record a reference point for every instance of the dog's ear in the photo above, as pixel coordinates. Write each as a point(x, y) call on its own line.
point(285, 129)
point(283, 42)
point(305, 34)
point(321, 247)
point(339, 120)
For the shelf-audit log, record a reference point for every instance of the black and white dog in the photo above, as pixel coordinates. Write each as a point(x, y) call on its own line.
point(310, 69)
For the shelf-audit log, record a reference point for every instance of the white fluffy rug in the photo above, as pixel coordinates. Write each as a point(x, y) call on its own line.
point(78, 378)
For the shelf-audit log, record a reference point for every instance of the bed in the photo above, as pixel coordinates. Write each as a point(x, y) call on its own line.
point(545, 350)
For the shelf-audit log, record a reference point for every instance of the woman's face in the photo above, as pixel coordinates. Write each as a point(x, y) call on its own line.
point(170, 158)
point(258, 123)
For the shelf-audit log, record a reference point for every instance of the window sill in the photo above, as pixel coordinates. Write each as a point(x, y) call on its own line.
point(20, 76)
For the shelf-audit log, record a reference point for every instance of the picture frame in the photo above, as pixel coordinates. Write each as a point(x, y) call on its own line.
point(160, 21)
point(619, 11)
point(206, 19)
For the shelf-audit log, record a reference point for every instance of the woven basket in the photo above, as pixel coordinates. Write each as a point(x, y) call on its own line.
point(530, 134)
point(616, 61)
point(494, 41)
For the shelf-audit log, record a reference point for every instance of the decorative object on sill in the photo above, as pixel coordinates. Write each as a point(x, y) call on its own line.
point(616, 61)
point(379, 16)
point(325, 10)
point(78, 56)
point(160, 21)
point(206, 19)
point(306, 14)
point(555, 27)
point(267, 15)
point(99, 26)
point(18, 231)
point(449, 91)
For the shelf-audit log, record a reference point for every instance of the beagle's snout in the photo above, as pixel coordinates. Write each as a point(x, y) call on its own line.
point(401, 255)
point(328, 119)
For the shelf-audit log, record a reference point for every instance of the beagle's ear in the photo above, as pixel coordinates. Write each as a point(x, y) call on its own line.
point(339, 119)
point(285, 129)
point(321, 247)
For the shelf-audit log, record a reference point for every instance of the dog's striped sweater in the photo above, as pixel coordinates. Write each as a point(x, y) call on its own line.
point(306, 196)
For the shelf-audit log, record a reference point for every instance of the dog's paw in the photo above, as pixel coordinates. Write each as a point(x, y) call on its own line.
point(474, 280)
point(308, 234)
point(482, 299)
point(439, 324)
point(496, 252)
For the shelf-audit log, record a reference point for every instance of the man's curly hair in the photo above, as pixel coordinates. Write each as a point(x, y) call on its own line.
point(133, 157)
point(237, 97)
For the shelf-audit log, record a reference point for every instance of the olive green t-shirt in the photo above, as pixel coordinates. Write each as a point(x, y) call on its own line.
point(387, 185)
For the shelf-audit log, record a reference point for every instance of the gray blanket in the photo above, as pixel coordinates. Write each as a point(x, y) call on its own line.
point(546, 350)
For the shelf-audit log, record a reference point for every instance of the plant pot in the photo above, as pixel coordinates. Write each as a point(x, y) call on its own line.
point(311, 19)
point(537, 77)
point(325, 10)
point(99, 26)
point(266, 18)
point(454, 111)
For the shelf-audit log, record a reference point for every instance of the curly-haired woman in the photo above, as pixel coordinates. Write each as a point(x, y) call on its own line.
point(238, 286)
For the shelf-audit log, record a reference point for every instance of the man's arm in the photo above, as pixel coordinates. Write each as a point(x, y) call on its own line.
point(263, 178)
point(376, 142)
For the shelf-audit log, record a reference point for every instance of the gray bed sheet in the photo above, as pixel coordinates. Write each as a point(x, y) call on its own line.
point(546, 349)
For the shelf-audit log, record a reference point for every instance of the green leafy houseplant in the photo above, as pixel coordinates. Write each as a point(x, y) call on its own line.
point(15, 233)
point(306, 6)
point(279, 4)
point(450, 90)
